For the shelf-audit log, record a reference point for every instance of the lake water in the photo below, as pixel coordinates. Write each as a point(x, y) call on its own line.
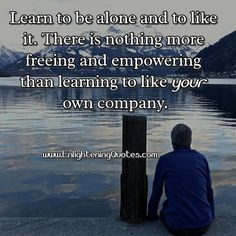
point(33, 121)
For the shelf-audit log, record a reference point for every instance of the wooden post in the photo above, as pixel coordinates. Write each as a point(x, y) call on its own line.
point(133, 178)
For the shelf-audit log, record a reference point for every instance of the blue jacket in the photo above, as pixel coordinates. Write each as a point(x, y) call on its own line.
point(186, 175)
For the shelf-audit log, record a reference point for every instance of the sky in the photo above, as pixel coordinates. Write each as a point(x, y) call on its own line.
point(11, 36)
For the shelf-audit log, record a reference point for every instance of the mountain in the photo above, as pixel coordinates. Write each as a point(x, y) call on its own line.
point(8, 56)
point(4, 74)
point(218, 60)
point(19, 68)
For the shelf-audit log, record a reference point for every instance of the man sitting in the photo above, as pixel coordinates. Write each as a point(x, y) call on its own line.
point(189, 207)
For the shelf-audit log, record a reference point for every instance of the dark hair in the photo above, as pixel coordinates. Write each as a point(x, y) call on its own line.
point(181, 135)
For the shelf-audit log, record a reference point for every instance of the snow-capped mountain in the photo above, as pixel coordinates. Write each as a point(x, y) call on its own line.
point(152, 31)
point(86, 50)
point(8, 56)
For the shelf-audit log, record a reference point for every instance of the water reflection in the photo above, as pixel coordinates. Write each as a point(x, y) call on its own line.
point(222, 97)
point(33, 121)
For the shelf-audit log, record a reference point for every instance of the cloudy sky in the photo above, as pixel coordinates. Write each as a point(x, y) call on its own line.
point(11, 35)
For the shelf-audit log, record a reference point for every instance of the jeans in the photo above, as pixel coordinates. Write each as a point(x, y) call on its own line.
point(184, 232)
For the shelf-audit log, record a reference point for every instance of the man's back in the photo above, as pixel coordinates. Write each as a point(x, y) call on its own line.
point(186, 175)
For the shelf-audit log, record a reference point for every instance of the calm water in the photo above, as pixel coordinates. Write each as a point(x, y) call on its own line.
point(33, 121)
